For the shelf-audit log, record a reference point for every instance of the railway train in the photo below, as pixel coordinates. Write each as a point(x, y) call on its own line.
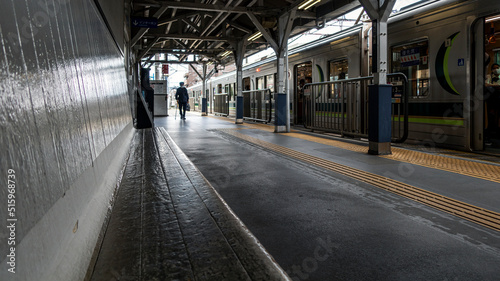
point(447, 49)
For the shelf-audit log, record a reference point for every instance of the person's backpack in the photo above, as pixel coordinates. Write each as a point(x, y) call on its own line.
point(183, 95)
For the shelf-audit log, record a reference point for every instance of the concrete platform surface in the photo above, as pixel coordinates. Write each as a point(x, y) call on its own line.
point(324, 225)
point(168, 223)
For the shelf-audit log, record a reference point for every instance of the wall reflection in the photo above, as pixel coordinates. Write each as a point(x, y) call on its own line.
point(63, 99)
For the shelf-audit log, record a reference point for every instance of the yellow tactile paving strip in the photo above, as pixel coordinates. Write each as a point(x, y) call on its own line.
point(466, 211)
point(261, 127)
point(469, 168)
point(464, 167)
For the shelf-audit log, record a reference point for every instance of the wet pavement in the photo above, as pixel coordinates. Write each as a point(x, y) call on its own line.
point(320, 225)
point(168, 223)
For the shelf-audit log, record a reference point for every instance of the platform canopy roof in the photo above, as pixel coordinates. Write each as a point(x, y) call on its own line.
point(209, 29)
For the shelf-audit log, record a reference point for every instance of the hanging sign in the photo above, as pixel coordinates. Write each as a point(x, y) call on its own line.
point(144, 22)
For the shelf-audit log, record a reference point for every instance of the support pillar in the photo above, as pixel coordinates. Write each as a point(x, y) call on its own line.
point(280, 98)
point(239, 54)
point(280, 47)
point(239, 91)
point(203, 92)
point(379, 123)
point(379, 100)
point(204, 78)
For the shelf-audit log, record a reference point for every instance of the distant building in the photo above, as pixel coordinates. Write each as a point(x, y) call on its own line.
point(191, 78)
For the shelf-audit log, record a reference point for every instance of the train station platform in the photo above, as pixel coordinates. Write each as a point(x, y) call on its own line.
point(320, 205)
point(168, 223)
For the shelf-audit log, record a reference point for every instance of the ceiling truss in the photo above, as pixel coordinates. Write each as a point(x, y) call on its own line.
point(202, 31)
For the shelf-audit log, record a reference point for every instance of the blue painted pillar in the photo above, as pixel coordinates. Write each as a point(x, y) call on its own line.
point(280, 98)
point(203, 106)
point(379, 108)
point(280, 112)
point(239, 110)
point(239, 97)
point(203, 90)
point(239, 54)
point(379, 123)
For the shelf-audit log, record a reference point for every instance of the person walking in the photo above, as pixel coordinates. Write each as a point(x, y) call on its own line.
point(182, 98)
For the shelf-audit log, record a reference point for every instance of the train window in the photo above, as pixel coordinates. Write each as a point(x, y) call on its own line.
point(260, 83)
point(412, 60)
point(492, 49)
point(246, 84)
point(219, 89)
point(491, 127)
point(231, 91)
point(303, 75)
point(270, 82)
point(338, 71)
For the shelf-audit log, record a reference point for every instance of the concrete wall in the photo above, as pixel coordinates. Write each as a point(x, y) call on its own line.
point(65, 128)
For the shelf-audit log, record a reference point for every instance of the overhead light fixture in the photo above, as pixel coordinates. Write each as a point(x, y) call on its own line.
point(495, 18)
point(225, 54)
point(255, 36)
point(308, 4)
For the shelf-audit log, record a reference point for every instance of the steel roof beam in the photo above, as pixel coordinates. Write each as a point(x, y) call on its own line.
point(189, 37)
point(264, 32)
point(148, 47)
point(187, 53)
point(143, 31)
point(218, 8)
point(237, 26)
point(173, 19)
point(221, 17)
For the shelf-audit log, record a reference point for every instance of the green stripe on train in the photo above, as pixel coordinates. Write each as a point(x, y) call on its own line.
point(423, 120)
point(452, 122)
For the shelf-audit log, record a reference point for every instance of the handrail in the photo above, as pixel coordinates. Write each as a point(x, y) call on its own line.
point(406, 99)
point(253, 105)
point(344, 107)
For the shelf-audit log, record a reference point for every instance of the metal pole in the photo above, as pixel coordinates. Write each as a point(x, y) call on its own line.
point(287, 92)
point(203, 93)
point(379, 98)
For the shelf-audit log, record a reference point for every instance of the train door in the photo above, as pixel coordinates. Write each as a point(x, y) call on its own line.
point(303, 75)
point(485, 103)
point(246, 84)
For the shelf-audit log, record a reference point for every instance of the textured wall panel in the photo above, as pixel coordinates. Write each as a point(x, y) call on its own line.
point(63, 100)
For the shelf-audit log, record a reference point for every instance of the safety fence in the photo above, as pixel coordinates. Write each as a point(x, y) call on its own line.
point(342, 106)
point(257, 105)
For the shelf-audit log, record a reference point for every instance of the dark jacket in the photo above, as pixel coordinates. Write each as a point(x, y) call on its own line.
point(182, 95)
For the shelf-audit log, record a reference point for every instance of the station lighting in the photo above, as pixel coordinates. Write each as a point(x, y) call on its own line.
point(225, 54)
point(308, 4)
point(492, 19)
point(255, 36)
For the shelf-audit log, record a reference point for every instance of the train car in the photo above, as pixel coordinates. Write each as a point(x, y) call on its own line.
point(447, 49)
